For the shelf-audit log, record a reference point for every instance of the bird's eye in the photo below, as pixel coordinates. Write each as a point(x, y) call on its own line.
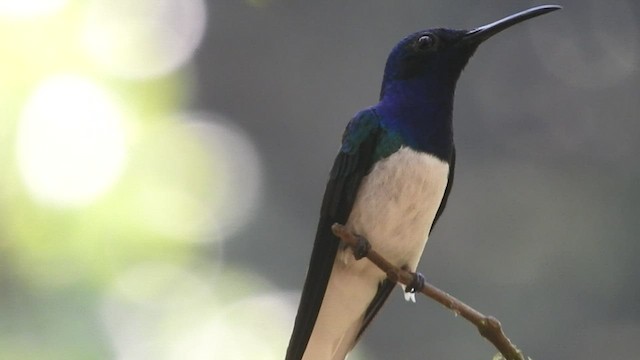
point(426, 42)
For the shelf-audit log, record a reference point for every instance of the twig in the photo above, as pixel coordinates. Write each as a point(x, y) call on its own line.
point(488, 326)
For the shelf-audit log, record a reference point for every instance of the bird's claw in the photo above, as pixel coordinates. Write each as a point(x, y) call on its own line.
point(416, 285)
point(362, 248)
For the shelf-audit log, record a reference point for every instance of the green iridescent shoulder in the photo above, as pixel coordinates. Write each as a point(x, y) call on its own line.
point(388, 143)
point(368, 124)
point(364, 124)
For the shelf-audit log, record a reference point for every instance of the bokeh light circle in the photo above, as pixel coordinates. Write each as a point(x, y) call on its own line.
point(143, 38)
point(71, 141)
point(237, 167)
point(165, 312)
point(30, 8)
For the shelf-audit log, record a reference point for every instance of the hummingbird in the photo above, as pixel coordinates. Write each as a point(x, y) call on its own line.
point(389, 184)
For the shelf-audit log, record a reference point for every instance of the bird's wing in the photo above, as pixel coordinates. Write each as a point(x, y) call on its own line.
point(447, 190)
point(354, 161)
point(385, 287)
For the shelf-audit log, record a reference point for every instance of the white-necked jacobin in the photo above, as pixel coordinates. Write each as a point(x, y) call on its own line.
point(389, 184)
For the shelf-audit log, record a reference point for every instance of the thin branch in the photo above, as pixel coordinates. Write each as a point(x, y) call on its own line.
point(488, 326)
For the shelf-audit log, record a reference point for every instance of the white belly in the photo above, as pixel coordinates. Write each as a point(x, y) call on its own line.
point(394, 210)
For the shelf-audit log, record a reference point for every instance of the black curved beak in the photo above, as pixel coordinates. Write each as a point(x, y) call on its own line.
point(478, 35)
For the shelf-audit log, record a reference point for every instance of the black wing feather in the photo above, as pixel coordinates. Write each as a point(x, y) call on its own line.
point(384, 289)
point(447, 190)
point(352, 163)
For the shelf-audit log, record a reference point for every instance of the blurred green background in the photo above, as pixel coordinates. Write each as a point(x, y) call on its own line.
point(163, 162)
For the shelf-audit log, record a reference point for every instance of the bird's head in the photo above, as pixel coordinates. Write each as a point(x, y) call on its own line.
point(432, 60)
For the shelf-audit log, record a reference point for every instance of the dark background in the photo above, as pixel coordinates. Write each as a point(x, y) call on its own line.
point(542, 223)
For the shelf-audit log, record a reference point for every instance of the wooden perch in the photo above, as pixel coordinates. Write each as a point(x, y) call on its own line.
point(488, 326)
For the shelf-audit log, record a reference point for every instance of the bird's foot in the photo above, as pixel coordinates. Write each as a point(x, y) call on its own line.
point(417, 284)
point(362, 248)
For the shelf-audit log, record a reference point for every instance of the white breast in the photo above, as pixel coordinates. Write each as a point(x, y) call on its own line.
point(397, 203)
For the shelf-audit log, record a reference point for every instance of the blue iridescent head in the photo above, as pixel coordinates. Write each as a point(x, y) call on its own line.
point(428, 63)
